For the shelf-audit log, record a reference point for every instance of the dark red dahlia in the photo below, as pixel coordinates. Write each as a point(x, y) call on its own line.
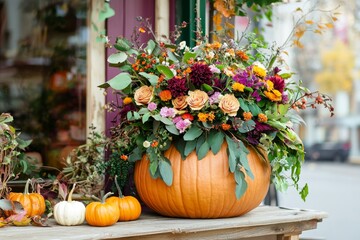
point(279, 83)
point(200, 74)
point(177, 87)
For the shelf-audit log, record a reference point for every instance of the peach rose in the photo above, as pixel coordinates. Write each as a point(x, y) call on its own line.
point(229, 104)
point(180, 103)
point(197, 99)
point(143, 95)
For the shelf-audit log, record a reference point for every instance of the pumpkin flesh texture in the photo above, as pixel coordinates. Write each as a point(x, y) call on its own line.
point(69, 213)
point(129, 207)
point(202, 188)
point(33, 203)
point(101, 214)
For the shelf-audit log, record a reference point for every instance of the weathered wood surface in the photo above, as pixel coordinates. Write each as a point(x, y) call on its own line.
point(262, 223)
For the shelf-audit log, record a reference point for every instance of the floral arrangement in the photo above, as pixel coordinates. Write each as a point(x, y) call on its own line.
point(198, 98)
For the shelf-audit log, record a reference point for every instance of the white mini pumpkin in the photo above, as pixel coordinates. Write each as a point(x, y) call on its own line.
point(69, 213)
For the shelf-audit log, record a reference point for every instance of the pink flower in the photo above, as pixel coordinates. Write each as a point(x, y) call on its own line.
point(152, 106)
point(167, 112)
point(182, 125)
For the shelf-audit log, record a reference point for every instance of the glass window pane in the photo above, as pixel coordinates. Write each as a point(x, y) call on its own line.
point(43, 73)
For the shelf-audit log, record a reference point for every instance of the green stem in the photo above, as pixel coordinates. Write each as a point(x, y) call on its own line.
point(118, 188)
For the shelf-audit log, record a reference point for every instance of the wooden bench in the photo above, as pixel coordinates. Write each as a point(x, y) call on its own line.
point(263, 223)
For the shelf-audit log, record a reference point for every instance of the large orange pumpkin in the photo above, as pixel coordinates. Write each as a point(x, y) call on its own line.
point(202, 188)
point(33, 203)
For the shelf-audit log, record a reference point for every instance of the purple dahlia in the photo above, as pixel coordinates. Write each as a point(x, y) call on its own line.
point(200, 74)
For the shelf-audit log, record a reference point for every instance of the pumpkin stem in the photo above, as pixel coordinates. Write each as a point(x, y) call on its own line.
point(26, 190)
point(71, 193)
point(106, 196)
point(118, 188)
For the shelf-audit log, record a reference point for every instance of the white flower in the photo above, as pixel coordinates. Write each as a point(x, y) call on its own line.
point(146, 144)
point(211, 55)
point(182, 45)
point(214, 69)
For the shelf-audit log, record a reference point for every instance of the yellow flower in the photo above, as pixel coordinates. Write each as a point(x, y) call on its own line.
point(273, 95)
point(229, 104)
point(238, 87)
point(202, 117)
point(259, 70)
point(197, 99)
point(211, 116)
point(143, 95)
point(127, 100)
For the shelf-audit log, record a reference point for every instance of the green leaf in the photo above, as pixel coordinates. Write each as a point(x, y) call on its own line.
point(243, 105)
point(204, 149)
point(117, 58)
point(122, 44)
point(180, 146)
point(247, 126)
point(187, 56)
point(215, 140)
point(135, 155)
point(106, 12)
point(304, 192)
point(150, 46)
point(145, 117)
point(239, 176)
point(166, 121)
point(192, 133)
point(153, 79)
point(119, 82)
point(129, 116)
point(22, 144)
point(143, 110)
point(207, 88)
point(254, 109)
point(172, 129)
point(240, 189)
point(232, 160)
point(189, 147)
point(166, 71)
point(286, 75)
point(172, 56)
point(153, 167)
point(166, 172)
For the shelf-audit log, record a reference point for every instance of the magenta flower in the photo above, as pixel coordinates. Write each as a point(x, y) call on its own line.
point(176, 119)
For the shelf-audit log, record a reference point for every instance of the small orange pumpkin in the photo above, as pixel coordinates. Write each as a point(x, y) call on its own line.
point(101, 213)
point(33, 203)
point(129, 206)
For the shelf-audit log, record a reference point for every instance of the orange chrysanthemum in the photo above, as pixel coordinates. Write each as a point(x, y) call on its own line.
point(165, 95)
point(247, 116)
point(124, 157)
point(225, 126)
point(202, 117)
point(262, 118)
point(127, 100)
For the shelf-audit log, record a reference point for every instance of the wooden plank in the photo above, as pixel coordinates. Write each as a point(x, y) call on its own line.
point(263, 221)
point(95, 100)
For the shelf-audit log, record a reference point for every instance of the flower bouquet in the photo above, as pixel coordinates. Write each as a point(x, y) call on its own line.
point(183, 102)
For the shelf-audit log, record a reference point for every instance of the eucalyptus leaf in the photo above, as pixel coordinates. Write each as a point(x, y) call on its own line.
point(187, 56)
point(106, 12)
point(215, 140)
point(153, 79)
point(119, 82)
point(150, 46)
point(166, 172)
point(145, 117)
point(240, 189)
point(117, 58)
point(153, 167)
point(172, 129)
point(189, 147)
point(204, 149)
point(193, 133)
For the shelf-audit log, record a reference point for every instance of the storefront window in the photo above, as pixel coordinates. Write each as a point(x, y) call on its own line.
point(43, 73)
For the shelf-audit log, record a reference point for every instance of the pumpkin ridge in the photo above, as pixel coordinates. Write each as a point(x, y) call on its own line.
point(184, 210)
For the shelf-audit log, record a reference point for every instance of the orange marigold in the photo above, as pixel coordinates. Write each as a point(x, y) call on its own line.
point(247, 116)
point(124, 157)
point(187, 116)
point(225, 126)
point(238, 87)
point(202, 117)
point(165, 95)
point(262, 118)
point(242, 55)
point(211, 116)
point(127, 100)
